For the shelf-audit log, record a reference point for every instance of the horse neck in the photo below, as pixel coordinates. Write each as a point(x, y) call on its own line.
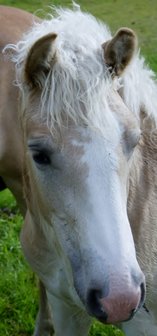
point(142, 210)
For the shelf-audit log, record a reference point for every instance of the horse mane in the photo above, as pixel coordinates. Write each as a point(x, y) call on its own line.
point(139, 90)
point(79, 82)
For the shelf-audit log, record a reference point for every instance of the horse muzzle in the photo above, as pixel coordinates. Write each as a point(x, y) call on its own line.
point(118, 305)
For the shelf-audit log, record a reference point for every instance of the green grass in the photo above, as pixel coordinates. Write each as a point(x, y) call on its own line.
point(18, 299)
point(18, 285)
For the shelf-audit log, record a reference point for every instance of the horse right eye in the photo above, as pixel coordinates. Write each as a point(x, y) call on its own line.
point(41, 158)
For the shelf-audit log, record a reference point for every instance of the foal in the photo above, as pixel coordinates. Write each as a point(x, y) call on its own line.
point(88, 174)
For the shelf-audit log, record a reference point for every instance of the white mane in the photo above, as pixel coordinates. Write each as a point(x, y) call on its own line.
point(79, 82)
point(140, 89)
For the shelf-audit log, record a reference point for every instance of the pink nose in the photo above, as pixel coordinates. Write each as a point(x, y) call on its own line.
point(120, 304)
point(120, 307)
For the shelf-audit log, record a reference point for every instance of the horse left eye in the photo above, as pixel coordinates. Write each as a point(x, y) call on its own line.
point(41, 158)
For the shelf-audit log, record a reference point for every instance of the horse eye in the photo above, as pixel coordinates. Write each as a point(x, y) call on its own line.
point(41, 158)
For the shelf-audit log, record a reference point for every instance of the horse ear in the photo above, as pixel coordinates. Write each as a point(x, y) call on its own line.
point(119, 51)
point(40, 60)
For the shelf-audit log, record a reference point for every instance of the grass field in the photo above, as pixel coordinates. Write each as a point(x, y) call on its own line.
point(18, 285)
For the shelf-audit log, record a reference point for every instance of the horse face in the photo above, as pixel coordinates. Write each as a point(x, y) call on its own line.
point(78, 174)
point(79, 179)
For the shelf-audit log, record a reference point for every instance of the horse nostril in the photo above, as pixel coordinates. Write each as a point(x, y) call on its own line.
point(141, 303)
point(143, 292)
point(115, 306)
point(94, 306)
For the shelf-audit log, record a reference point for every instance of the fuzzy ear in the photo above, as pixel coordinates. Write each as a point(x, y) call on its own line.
point(119, 51)
point(39, 60)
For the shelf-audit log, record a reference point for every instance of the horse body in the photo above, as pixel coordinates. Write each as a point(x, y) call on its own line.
point(16, 22)
point(77, 146)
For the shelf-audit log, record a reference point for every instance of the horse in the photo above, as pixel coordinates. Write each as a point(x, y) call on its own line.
point(78, 117)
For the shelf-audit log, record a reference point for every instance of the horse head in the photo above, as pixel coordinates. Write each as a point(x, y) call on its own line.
point(79, 140)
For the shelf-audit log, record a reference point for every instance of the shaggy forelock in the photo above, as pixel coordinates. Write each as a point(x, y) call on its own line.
point(78, 84)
